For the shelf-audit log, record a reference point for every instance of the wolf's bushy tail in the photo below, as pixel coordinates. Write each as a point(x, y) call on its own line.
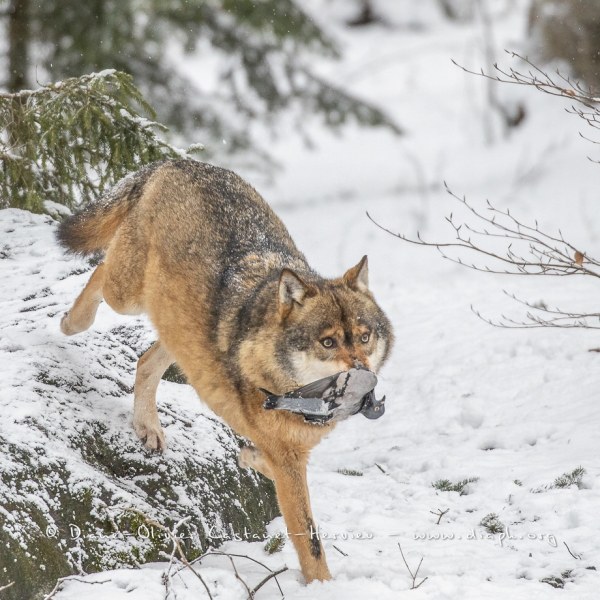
point(92, 228)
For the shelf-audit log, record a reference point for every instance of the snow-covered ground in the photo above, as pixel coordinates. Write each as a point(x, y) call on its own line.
point(514, 409)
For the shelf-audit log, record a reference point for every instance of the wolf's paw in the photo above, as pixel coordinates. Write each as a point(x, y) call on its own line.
point(65, 326)
point(151, 434)
point(71, 326)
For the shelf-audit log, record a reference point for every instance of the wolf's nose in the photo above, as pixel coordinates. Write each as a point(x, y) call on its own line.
point(359, 364)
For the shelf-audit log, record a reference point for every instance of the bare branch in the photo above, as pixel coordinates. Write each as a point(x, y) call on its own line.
point(176, 543)
point(536, 322)
point(237, 576)
point(439, 514)
point(414, 575)
point(528, 251)
point(541, 253)
point(556, 311)
point(562, 86)
point(272, 574)
point(63, 580)
point(586, 103)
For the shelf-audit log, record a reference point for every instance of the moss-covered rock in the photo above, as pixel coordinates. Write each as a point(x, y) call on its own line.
point(71, 466)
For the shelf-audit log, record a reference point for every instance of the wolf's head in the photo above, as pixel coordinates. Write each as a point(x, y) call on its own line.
point(319, 327)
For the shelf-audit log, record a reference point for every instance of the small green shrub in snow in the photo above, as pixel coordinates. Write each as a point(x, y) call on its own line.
point(275, 543)
point(492, 523)
point(559, 582)
point(445, 485)
point(351, 472)
point(563, 481)
point(568, 479)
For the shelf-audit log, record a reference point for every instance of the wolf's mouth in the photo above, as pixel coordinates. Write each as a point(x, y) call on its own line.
point(332, 398)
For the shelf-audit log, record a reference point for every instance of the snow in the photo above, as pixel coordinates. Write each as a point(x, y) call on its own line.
point(55, 209)
point(514, 409)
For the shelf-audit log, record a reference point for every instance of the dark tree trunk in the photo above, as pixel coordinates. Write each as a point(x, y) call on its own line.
point(366, 15)
point(18, 29)
point(18, 33)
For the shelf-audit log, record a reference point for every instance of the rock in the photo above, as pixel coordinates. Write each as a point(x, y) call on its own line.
point(70, 462)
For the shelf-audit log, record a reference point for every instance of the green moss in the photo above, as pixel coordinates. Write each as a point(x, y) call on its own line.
point(221, 494)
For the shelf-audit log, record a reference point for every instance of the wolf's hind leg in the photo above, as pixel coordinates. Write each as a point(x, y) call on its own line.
point(150, 368)
point(83, 311)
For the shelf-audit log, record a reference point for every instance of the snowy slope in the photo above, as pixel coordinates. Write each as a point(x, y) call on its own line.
point(514, 409)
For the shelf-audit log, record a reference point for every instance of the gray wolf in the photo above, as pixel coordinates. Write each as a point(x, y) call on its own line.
point(236, 306)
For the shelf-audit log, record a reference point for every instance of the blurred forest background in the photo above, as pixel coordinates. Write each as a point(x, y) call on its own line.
point(222, 76)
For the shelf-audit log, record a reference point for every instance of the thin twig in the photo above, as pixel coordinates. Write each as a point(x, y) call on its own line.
point(575, 556)
point(538, 79)
point(62, 580)
point(439, 514)
point(237, 575)
point(272, 575)
point(55, 589)
point(340, 551)
point(167, 574)
point(175, 542)
point(416, 573)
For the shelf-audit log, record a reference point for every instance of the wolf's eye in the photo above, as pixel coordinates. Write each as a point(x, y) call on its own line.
point(364, 338)
point(328, 342)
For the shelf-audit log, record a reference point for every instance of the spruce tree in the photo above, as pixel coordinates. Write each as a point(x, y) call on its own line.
point(67, 142)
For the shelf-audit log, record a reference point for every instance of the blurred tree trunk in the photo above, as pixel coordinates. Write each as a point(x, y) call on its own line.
point(366, 15)
point(458, 10)
point(568, 30)
point(18, 28)
point(18, 38)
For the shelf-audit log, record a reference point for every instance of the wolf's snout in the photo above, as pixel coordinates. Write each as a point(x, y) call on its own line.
point(359, 364)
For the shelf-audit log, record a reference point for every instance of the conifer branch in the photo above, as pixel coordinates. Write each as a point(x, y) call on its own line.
point(69, 141)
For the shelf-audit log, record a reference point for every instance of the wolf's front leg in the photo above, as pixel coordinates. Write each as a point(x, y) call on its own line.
point(150, 369)
point(289, 475)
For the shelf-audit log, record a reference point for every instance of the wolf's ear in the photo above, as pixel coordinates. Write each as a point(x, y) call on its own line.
point(358, 276)
point(291, 289)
